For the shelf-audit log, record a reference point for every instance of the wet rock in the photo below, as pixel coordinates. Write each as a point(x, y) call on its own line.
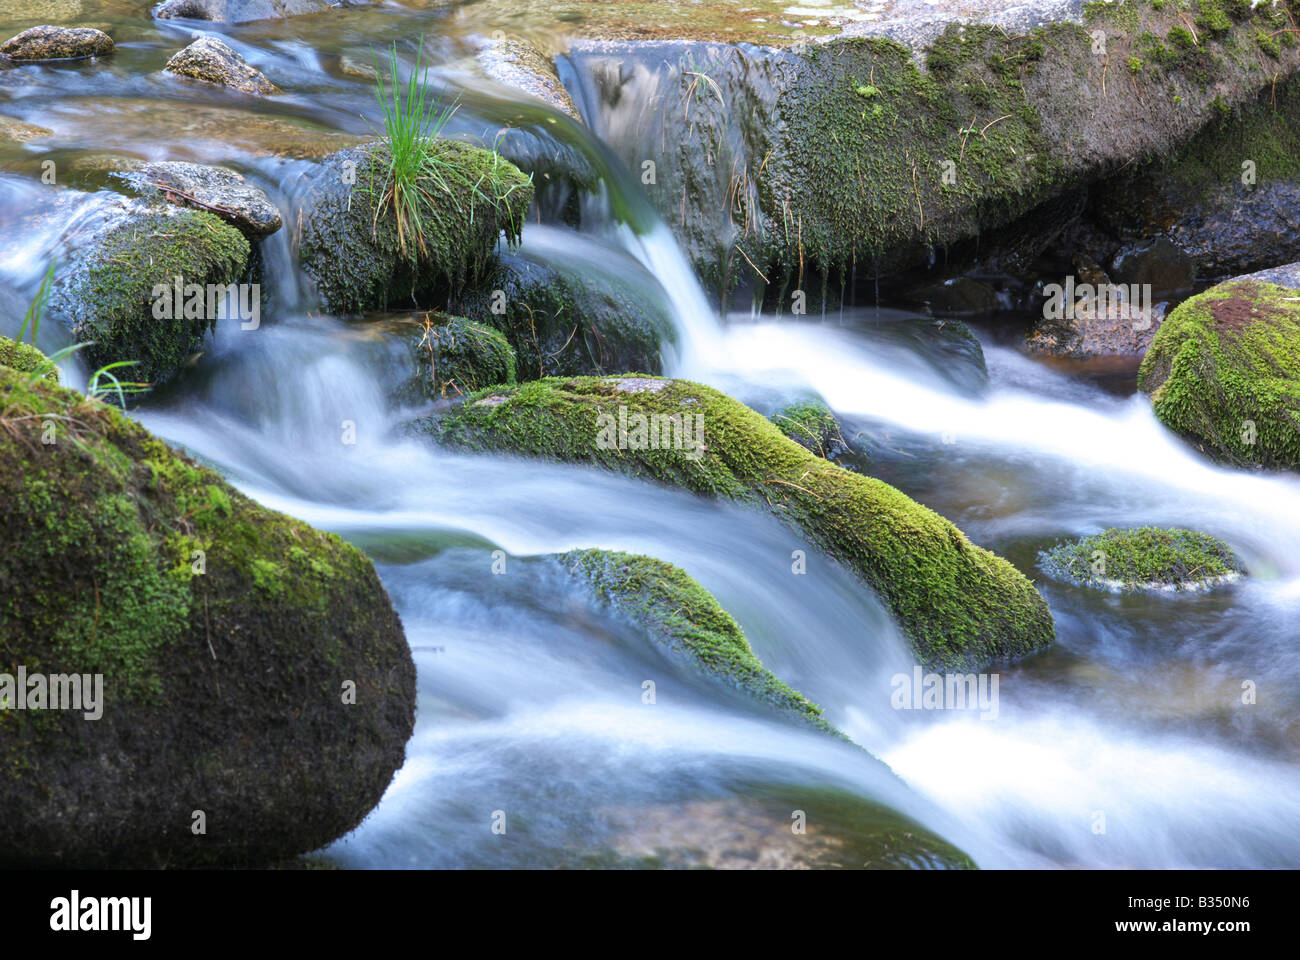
point(240, 11)
point(350, 245)
point(219, 190)
point(1097, 326)
point(957, 603)
point(516, 63)
point(1089, 315)
point(1147, 558)
point(453, 357)
point(957, 296)
point(57, 43)
point(16, 131)
point(675, 613)
point(569, 322)
point(213, 61)
point(106, 294)
point(1228, 199)
point(1159, 263)
point(124, 560)
point(1224, 371)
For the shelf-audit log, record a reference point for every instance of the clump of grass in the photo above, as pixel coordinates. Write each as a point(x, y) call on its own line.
point(423, 179)
point(412, 122)
point(36, 309)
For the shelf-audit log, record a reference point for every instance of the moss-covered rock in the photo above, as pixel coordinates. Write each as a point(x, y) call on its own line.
point(353, 253)
point(678, 614)
point(1224, 372)
point(108, 292)
point(829, 163)
point(958, 603)
point(812, 425)
point(227, 636)
point(452, 357)
point(1146, 558)
point(565, 323)
point(26, 359)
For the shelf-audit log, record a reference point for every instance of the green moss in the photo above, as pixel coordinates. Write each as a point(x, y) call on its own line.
point(1142, 558)
point(109, 294)
point(1181, 37)
point(101, 529)
point(956, 602)
point(223, 632)
point(354, 255)
point(454, 357)
point(861, 181)
point(812, 425)
point(1224, 371)
point(679, 614)
point(27, 359)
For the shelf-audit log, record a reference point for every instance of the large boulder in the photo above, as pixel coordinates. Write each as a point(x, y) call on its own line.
point(257, 690)
point(811, 161)
point(109, 292)
point(958, 603)
point(350, 245)
point(1224, 370)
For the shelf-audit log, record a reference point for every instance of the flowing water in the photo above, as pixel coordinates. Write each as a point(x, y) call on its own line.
point(530, 697)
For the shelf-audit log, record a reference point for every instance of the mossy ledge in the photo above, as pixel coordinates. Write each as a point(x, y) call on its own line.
point(1145, 558)
point(958, 603)
point(1224, 372)
point(225, 634)
point(352, 251)
point(680, 615)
